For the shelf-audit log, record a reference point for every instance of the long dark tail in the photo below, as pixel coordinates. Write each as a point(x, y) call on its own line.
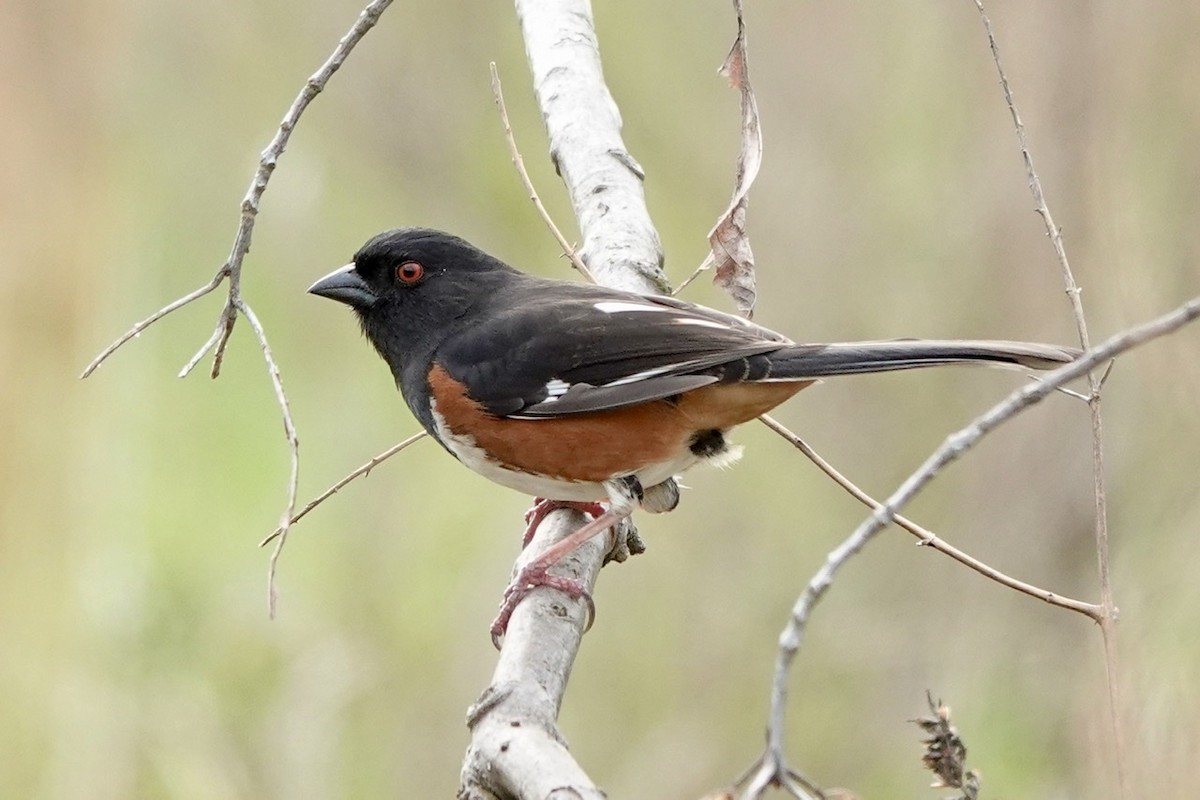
point(849, 358)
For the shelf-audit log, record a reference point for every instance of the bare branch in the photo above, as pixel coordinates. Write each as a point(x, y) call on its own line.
point(270, 158)
point(927, 537)
point(258, 184)
point(232, 269)
point(205, 348)
point(1035, 184)
point(225, 323)
point(137, 329)
point(772, 771)
point(953, 448)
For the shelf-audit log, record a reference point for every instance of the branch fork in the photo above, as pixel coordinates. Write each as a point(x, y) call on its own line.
point(231, 270)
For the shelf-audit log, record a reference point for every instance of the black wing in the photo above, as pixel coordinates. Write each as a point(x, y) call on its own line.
point(560, 349)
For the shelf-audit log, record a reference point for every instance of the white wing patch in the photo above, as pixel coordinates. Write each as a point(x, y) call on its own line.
point(641, 376)
point(623, 306)
point(706, 323)
point(620, 306)
point(555, 388)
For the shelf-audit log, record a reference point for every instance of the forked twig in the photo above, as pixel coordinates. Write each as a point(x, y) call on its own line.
point(232, 270)
point(137, 329)
point(770, 771)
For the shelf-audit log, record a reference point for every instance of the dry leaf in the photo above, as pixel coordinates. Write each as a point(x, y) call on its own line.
point(730, 246)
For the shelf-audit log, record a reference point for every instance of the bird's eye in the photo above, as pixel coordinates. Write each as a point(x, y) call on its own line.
point(409, 272)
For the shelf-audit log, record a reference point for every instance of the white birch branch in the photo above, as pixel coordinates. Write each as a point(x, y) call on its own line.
point(604, 181)
point(516, 750)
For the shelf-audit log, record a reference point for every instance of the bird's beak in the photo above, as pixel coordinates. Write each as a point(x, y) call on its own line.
point(346, 286)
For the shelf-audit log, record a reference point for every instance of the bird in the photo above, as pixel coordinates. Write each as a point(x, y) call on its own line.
point(581, 394)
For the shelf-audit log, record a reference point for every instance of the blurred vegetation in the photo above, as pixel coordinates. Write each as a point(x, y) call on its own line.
point(137, 658)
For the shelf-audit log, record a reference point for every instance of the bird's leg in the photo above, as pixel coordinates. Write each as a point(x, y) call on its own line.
point(543, 507)
point(624, 495)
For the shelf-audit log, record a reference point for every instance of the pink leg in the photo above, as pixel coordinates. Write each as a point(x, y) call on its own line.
point(535, 574)
point(542, 508)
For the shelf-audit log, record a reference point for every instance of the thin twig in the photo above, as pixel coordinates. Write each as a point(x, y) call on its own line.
point(270, 158)
point(362, 471)
point(705, 265)
point(289, 428)
point(1035, 184)
point(519, 163)
point(953, 448)
point(1066, 391)
point(1108, 620)
point(204, 349)
point(226, 322)
point(137, 329)
point(927, 537)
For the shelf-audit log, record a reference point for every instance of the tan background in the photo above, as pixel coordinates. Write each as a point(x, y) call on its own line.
point(137, 659)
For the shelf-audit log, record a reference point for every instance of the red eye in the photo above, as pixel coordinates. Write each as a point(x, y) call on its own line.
point(409, 272)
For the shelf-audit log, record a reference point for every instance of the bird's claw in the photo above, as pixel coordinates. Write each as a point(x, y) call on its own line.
point(526, 581)
point(542, 508)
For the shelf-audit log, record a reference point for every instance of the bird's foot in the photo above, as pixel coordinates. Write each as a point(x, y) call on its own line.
point(536, 573)
point(624, 495)
point(528, 579)
point(542, 508)
point(626, 541)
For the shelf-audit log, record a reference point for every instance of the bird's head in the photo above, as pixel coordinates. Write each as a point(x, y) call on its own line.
point(410, 288)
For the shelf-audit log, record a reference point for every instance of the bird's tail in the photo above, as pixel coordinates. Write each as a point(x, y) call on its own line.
point(820, 360)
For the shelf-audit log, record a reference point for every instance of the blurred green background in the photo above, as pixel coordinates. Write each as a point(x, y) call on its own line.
point(137, 657)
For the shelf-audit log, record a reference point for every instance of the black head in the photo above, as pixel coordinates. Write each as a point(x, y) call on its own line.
point(411, 287)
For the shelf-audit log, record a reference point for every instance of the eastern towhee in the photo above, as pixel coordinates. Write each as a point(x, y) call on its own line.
point(579, 393)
